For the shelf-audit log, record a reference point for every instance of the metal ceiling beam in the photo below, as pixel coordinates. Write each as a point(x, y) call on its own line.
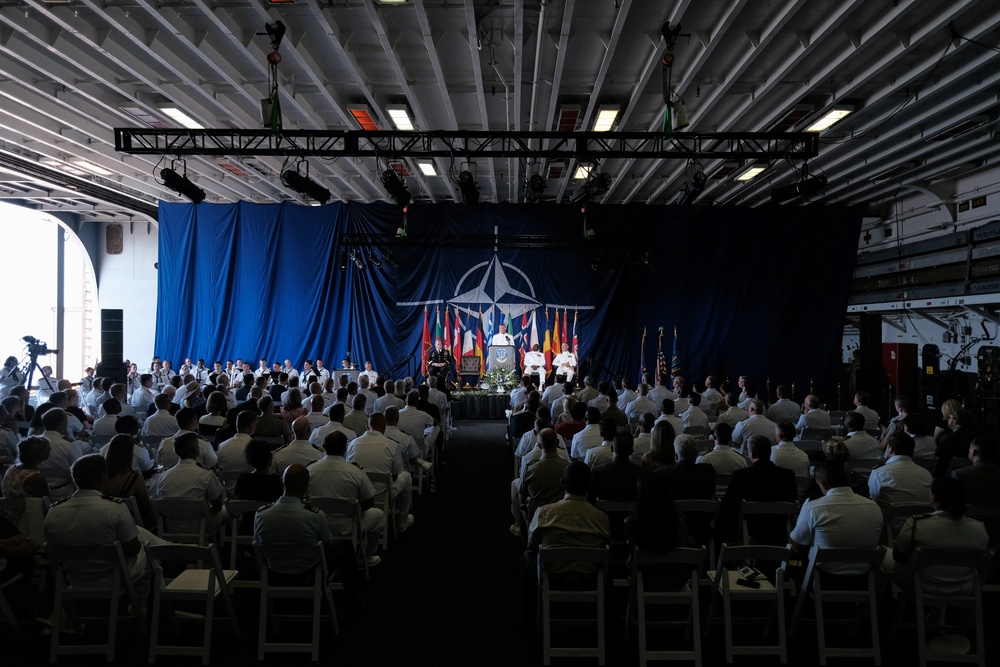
point(431, 144)
point(930, 318)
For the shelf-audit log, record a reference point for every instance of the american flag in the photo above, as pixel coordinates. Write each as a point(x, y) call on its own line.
point(661, 361)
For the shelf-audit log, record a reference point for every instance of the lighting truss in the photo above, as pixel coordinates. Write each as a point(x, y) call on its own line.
point(468, 144)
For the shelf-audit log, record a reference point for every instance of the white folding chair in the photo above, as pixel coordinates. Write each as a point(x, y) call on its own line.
point(550, 592)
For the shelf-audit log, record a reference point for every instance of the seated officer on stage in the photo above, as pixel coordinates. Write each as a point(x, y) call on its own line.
point(439, 365)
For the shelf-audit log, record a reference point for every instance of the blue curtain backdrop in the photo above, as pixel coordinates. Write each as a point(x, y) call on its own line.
point(758, 291)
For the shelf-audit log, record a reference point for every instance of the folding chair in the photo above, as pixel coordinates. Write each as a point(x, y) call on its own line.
point(338, 507)
point(191, 585)
point(809, 445)
point(382, 481)
point(817, 434)
point(183, 520)
point(615, 509)
point(152, 444)
point(812, 584)
point(923, 559)
point(550, 592)
point(269, 592)
point(707, 510)
point(5, 608)
point(724, 585)
point(236, 540)
point(687, 597)
point(274, 440)
point(98, 441)
point(893, 517)
point(65, 591)
point(696, 430)
point(749, 508)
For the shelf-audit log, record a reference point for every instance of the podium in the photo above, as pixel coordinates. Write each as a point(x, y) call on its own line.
point(352, 376)
point(501, 356)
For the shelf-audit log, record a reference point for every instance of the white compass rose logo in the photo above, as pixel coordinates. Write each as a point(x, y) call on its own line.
point(500, 284)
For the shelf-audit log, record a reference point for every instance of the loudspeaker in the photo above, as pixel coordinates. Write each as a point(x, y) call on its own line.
point(870, 347)
point(112, 345)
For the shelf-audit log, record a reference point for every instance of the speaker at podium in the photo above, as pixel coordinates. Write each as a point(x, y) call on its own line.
point(501, 356)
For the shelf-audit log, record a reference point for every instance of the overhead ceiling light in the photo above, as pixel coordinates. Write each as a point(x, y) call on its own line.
point(836, 114)
point(959, 128)
point(145, 117)
point(362, 114)
point(555, 169)
point(793, 117)
point(725, 169)
point(898, 170)
point(400, 168)
point(304, 185)
point(427, 168)
point(392, 2)
point(569, 117)
point(181, 185)
point(281, 2)
point(63, 167)
point(231, 167)
point(606, 117)
point(400, 117)
point(750, 172)
point(582, 172)
point(181, 118)
point(92, 168)
point(951, 172)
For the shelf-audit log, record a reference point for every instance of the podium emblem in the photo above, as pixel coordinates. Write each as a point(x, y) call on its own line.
point(503, 355)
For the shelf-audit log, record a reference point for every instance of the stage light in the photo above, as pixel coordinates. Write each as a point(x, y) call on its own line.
point(804, 188)
point(594, 186)
point(395, 187)
point(838, 113)
point(304, 185)
point(356, 258)
point(691, 190)
point(373, 260)
point(534, 187)
point(390, 260)
point(343, 260)
point(470, 191)
point(181, 185)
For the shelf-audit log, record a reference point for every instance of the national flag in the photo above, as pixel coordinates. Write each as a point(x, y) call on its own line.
point(576, 341)
point(565, 329)
point(661, 361)
point(469, 344)
point(438, 333)
point(524, 335)
point(425, 344)
point(479, 342)
point(534, 330)
point(457, 340)
point(642, 353)
point(556, 341)
point(547, 345)
point(510, 324)
point(446, 340)
point(489, 326)
point(675, 360)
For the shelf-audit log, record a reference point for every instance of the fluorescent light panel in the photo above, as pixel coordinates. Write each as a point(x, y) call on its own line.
point(145, 117)
point(606, 117)
point(555, 169)
point(795, 115)
point(427, 168)
point(400, 169)
point(569, 116)
point(960, 128)
point(831, 118)
point(400, 116)
point(92, 168)
point(181, 118)
point(362, 114)
point(62, 166)
point(751, 172)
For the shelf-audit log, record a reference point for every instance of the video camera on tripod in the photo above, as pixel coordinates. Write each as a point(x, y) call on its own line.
point(37, 348)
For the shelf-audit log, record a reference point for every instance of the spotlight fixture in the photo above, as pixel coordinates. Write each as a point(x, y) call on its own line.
point(804, 188)
point(395, 187)
point(358, 262)
point(181, 185)
point(304, 185)
point(390, 260)
point(374, 260)
point(470, 191)
point(691, 189)
point(595, 185)
point(534, 187)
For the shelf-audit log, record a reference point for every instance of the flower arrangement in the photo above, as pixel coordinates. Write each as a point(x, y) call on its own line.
point(500, 378)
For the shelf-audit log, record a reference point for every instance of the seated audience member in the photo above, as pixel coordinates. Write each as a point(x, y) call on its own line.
point(105, 426)
point(357, 418)
point(144, 395)
point(733, 414)
point(570, 522)
point(541, 479)
point(618, 479)
point(23, 480)
point(981, 480)
point(187, 422)
point(761, 482)
point(215, 413)
point(63, 453)
point(187, 479)
point(261, 483)
point(641, 442)
point(835, 450)
point(784, 409)
point(837, 518)
point(612, 412)
point(755, 424)
point(871, 417)
point(785, 454)
point(904, 407)
point(687, 479)
point(123, 480)
point(656, 527)
point(604, 452)
point(161, 423)
point(374, 452)
point(333, 477)
point(915, 426)
point(661, 448)
point(299, 450)
point(88, 518)
point(814, 416)
point(667, 409)
point(860, 444)
point(588, 437)
point(231, 451)
point(577, 421)
point(530, 450)
point(142, 462)
point(269, 425)
point(947, 528)
point(955, 441)
point(291, 407)
point(288, 520)
point(900, 480)
point(722, 457)
point(694, 416)
point(641, 403)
